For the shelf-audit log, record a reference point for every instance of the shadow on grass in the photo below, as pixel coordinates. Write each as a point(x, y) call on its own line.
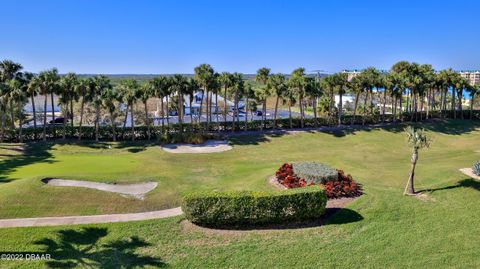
point(81, 248)
point(464, 183)
point(331, 216)
point(32, 153)
point(130, 146)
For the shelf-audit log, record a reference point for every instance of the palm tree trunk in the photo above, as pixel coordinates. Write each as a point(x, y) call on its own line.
point(97, 121)
point(394, 108)
point(246, 115)
point(365, 107)
point(235, 110)
point(20, 129)
point(71, 114)
point(132, 118)
point(401, 108)
point(168, 116)
point(147, 120)
point(315, 116)
point(191, 114)
point(453, 104)
point(472, 100)
point(290, 115)
point(264, 112)
point(201, 107)
point(302, 123)
point(460, 96)
point(163, 116)
point(114, 132)
point(82, 105)
point(355, 107)
point(65, 123)
point(206, 110)
point(53, 115)
point(125, 122)
point(45, 118)
point(225, 108)
point(216, 110)
point(275, 113)
point(180, 111)
point(34, 117)
point(384, 103)
point(340, 108)
point(409, 189)
point(2, 124)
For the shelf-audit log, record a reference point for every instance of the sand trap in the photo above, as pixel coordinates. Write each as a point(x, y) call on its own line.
point(210, 146)
point(469, 172)
point(136, 190)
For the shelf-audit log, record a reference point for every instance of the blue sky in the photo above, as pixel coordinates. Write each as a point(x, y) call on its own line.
point(174, 36)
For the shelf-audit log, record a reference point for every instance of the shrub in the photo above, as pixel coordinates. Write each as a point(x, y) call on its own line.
point(213, 208)
point(476, 168)
point(314, 172)
point(344, 186)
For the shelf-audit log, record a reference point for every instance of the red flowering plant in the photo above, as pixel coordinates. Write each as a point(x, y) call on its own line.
point(344, 186)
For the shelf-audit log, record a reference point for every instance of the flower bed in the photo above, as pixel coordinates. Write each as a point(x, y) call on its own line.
point(344, 186)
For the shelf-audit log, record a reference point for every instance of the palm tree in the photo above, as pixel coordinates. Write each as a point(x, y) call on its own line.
point(82, 90)
point(249, 93)
point(358, 86)
point(161, 85)
point(289, 98)
point(473, 90)
point(100, 84)
point(227, 81)
point(110, 97)
point(130, 91)
point(178, 85)
point(340, 83)
point(68, 95)
point(313, 90)
point(17, 99)
point(47, 83)
point(417, 140)
point(146, 91)
point(204, 75)
point(262, 77)
point(8, 71)
point(238, 88)
point(276, 84)
point(32, 90)
point(191, 88)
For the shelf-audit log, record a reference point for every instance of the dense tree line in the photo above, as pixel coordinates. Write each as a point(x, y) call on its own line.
point(410, 91)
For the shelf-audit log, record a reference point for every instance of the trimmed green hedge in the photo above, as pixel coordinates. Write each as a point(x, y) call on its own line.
point(213, 208)
point(317, 173)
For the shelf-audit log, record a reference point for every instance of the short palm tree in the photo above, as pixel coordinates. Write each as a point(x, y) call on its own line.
point(110, 98)
point(204, 75)
point(417, 139)
point(130, 93)
point(48, 84)
point(227, 81)
point(262, 77)
point(67, 97)
point(100, 84)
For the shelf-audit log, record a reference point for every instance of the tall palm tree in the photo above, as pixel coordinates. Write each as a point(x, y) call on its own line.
point(473, 90)
point(227, 81)
point(82, 89)
point(146, 91)
point(238, 88)
point(110, 98)
point(313, 90)
point(47, 83)
point(32, 90)
point(204, 75)
point(417, 140)
point(17, 99)
point(289, 98)
point(161, 85)
point(130, 92)
point(67, 97)
point(262, 77)
point(178, 85)
point(297, 83)
point(277, 85)
point(191, 88)
point(8, 71)
point(358, 86)
point(100, 84)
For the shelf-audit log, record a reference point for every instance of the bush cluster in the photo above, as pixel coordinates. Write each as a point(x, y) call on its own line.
point(344, 186)
point(476, 168)
point(216, 209)
point(314, 172)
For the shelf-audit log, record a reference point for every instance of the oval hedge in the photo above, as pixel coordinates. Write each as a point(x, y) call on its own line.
point(213, 208)
point(317, 173)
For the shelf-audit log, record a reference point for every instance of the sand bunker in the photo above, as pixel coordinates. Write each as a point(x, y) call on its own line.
point(469, 172)
point(210, 146)
point(136, 190)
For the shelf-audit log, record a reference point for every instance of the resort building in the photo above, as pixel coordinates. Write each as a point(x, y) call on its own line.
point(473, 76)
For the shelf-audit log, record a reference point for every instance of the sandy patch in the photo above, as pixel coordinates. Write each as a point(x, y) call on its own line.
point(469, 172)
point(136, 190)
point(210, 146)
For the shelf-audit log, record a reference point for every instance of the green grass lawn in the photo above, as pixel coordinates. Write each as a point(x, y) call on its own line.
point(381, 229)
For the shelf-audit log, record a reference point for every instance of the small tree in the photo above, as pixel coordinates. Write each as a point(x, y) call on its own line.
point(417, 140)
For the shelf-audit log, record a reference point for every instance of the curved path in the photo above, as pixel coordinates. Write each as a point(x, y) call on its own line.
point(54, 221)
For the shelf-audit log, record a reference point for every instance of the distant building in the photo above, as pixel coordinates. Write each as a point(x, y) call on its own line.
point(355, 72)
point(473, 76)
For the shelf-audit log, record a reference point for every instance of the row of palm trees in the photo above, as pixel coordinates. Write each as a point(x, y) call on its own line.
point(408, 87)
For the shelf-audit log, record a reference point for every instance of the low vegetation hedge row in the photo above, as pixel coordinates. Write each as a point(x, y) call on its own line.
point(163, 134)
point(214, 208)
point(476, 168)
point(315, 172)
